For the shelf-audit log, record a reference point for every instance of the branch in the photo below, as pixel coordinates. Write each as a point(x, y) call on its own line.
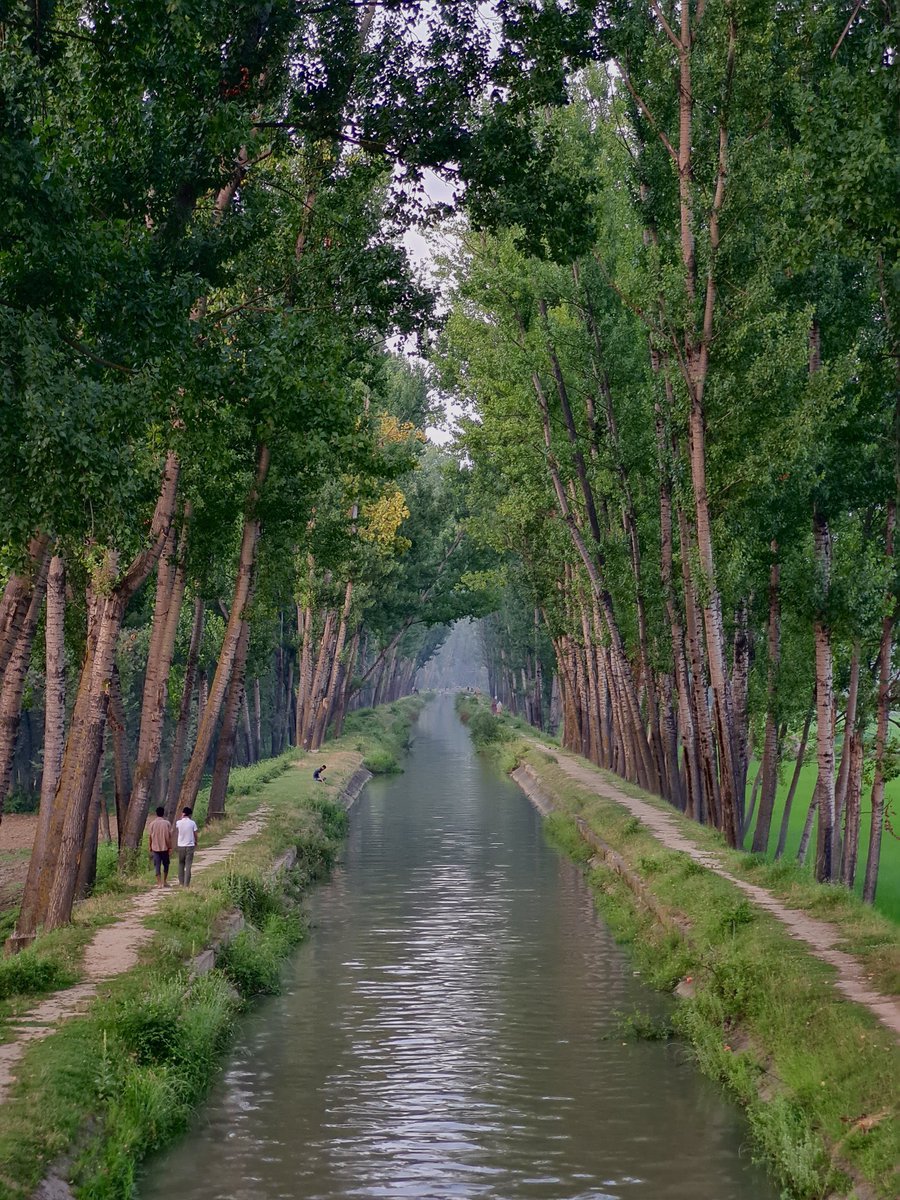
point(670, 34)
point(646, 111)
point(103, 362)
point(853, 16)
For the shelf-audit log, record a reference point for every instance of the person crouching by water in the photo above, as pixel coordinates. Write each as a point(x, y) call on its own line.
point(319, 773)
point(187, 844)
point(161, 836)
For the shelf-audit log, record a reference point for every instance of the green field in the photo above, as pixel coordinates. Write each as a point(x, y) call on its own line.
point(887, 898)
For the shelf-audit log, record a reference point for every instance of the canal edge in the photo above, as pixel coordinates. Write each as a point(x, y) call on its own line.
point(845, 1181)
point(72, 1158)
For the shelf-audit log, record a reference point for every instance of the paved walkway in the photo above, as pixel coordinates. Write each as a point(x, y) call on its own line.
point(822, 938)
point(112, 951)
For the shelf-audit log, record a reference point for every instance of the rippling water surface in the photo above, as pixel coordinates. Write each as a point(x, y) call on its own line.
point(444, 1032)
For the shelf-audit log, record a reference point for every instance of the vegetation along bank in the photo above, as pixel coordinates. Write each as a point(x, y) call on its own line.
point(121, 1078)
point(815, 1072)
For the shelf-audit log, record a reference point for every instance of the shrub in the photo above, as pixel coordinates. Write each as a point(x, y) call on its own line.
point(147, 1023)
point(251, 963)
point(381, 762)
point(26, 972)
point(19, 801)
point(641, 1026)
point(332, 817)
point(252, 895)
point(486, 729)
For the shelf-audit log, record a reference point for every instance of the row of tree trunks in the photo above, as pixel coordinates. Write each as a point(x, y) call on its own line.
point(179, 743)
point(53, 873)
point(243, 588)
point(171, 579)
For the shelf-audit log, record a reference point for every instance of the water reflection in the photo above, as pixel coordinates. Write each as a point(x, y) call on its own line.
point(441, 1033)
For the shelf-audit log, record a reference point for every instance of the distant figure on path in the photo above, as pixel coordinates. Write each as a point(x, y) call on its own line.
point(161, 835)
point(494, 706)
point(499, 708)
point(187, 844)
point(319, 773)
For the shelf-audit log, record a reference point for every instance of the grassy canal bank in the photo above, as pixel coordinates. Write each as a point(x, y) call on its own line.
point(90, 1101)
point(816, 1074)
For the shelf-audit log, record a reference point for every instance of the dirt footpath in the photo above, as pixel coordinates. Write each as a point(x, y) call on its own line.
point(821, 938)
point(111, 952)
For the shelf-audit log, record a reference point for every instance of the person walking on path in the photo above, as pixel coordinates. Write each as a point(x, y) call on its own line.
point(161, 835)
point(187, 844)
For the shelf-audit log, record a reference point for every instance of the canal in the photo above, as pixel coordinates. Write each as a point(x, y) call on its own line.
point(450, 1029)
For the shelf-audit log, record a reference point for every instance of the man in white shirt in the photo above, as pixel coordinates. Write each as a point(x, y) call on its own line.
point(186, 829)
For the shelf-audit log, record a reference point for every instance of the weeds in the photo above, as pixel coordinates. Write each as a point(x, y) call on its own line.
point(34, 973)
point(640, 1026)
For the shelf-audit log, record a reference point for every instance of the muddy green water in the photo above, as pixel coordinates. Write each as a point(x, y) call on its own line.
point(448, 1029)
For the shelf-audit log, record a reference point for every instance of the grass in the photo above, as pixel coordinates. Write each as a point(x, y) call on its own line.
point(815, 1073)
point(108, 1088)
point(887, 897)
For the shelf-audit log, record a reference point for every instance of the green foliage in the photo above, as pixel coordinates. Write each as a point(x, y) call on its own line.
point(641, 1026)
point(486, 729)
point(31, 972)
point(381, 762)
point(253, 896)
point(252, 960)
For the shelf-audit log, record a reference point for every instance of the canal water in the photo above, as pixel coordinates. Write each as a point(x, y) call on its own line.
point(450, 1028)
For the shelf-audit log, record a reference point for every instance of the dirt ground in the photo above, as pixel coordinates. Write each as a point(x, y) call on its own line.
point(16, 837)
point(17, 831)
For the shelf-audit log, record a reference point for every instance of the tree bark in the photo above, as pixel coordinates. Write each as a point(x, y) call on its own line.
point(795, 779)
point(121, 755)
point(230, 716)
point(883, 714)
point(243, 587)
point(179, 742)
point(850, 852)
point(771, 754)
point(87, 866)
point(171, 580)
point(16, 598)
point(257, 721)
point(13, 684)
point(54, 733)
point(85, 741)
point(825, 843)
point(328, 703)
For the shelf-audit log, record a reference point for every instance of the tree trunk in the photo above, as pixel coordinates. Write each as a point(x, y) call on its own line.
point(883, 714)
point(805, 837)
point(87, 866)
point(243, 588)
point(710, 802)
point(13, 684)
point(54, 735)
point(179, 742)
point(230, 716)
point(84, 744)
point(843, 776)
point(16, 598)
point(171, 580)
point(257, 722)
point(328, 703)
point(825, 845)
point(795, 779)
point(771, 751)
point(850, 852)
point(748, 819)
